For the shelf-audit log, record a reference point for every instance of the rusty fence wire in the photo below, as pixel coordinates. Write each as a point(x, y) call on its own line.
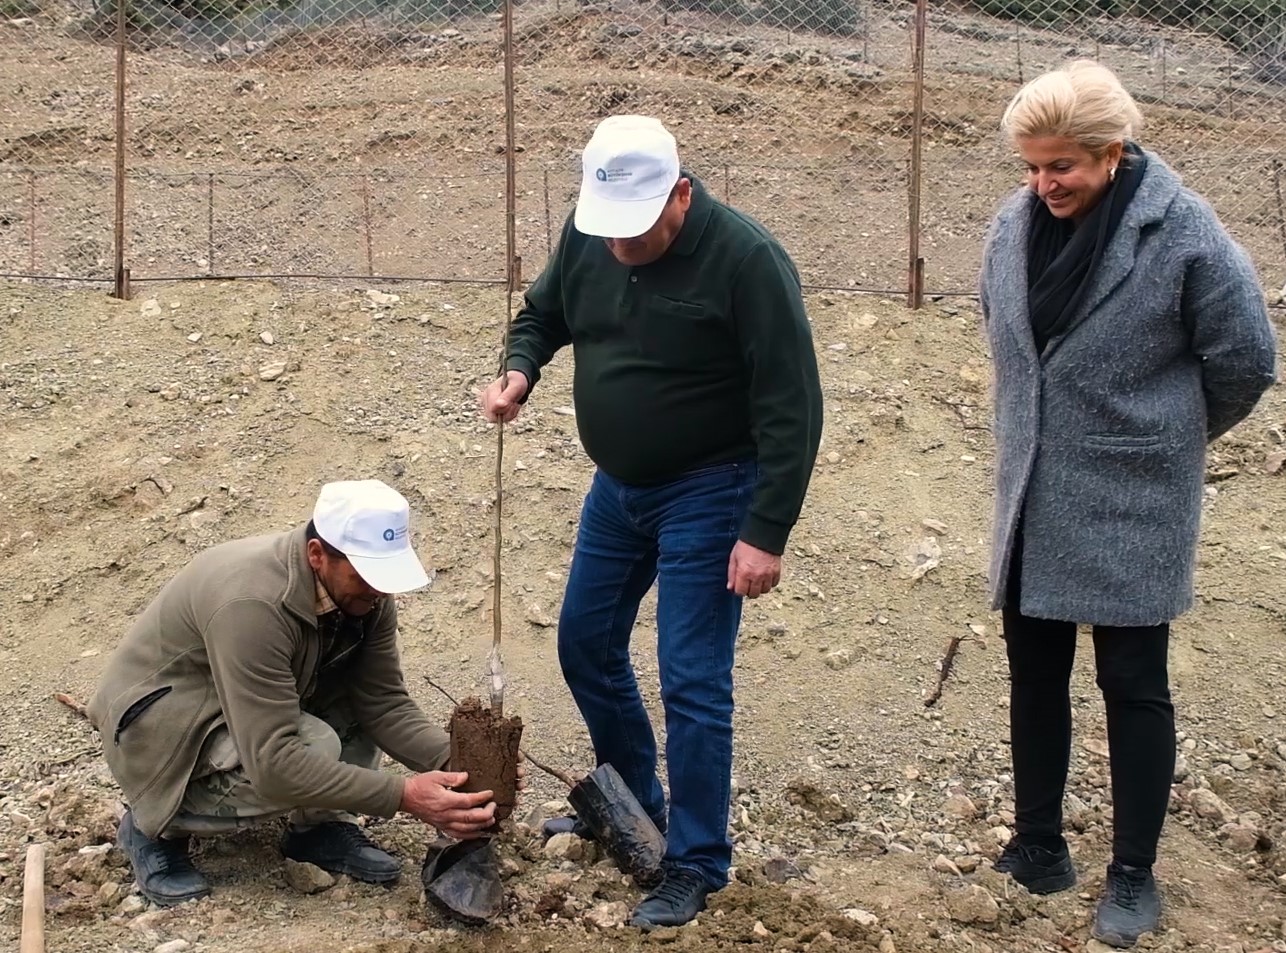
point(367, 138)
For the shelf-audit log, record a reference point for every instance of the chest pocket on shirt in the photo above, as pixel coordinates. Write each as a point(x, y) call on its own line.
point(679, 333)
point(677, 308)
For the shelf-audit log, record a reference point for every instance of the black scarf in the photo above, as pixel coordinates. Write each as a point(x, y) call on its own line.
point(1062, 258)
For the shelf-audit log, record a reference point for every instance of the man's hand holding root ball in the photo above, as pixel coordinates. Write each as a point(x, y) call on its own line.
point(431, 798)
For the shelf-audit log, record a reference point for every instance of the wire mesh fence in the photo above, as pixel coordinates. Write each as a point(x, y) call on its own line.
point(777, 107)
point(317, 139)
point(55, 145)
point(367, 138)
point(1209, 77)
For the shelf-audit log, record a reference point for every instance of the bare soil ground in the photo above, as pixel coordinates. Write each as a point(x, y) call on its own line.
point(135, 433)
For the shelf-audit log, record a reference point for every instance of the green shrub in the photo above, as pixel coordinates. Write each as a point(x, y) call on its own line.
point(1251, 26)
point(719, 8)
point(838, 17)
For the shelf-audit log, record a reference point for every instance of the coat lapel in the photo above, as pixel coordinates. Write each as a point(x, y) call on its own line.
point(1156, 192)
point(1117, 263)
point(1009, 270)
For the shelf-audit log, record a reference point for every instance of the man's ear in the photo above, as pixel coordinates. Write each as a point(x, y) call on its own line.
point(315, 554)
point(683, 192)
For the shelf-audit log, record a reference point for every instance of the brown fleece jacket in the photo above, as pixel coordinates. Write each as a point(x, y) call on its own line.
point(232, 639)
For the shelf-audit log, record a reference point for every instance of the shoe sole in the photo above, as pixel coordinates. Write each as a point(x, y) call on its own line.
point(647, 926)
point(1119, 940)
point(361, 874)
point(170, 901)
point(1053, 883)
point(1113, 939)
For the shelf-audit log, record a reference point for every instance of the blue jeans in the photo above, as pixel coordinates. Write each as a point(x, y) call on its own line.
point(681, 533)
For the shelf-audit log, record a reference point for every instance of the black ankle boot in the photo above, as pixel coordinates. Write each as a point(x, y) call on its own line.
point(341, 848)
point(162, 868)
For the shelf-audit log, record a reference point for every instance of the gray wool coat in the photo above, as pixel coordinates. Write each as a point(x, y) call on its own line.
point(1101, 439)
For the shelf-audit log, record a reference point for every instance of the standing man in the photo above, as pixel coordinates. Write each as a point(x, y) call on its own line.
point(697, 397)
point(265, 678)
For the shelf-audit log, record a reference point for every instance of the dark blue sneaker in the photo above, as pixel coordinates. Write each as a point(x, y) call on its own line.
point(162, 868)
point(571, 824)
point(568, 824)
point(679, 898)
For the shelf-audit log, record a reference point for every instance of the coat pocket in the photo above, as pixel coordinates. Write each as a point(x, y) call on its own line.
point(132, 713)
point(1143, 440)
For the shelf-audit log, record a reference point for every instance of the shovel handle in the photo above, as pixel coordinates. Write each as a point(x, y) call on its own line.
point(33, 901)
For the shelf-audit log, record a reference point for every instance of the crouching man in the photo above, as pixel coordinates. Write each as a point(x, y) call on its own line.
point(265, 679)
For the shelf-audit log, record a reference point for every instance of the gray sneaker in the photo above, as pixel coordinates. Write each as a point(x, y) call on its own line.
point(162, 868)
point(1131, 906)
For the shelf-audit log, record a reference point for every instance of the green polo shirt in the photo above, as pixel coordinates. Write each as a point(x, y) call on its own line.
point(702, 357)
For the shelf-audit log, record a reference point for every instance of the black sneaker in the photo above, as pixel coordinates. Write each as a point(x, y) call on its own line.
point(162, 868)
point(1130, 906)
point(341, 848)
point(1038, 869)
point(680, 897)
point(571, 824)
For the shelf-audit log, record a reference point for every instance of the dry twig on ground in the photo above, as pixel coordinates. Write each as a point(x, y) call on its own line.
point(944, 671)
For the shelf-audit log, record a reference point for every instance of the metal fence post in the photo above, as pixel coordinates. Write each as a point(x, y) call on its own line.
point(915, 264)
point(121, 288)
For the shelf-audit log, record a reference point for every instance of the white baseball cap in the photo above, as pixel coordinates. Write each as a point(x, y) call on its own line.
point(628, 170)
point(370, 523)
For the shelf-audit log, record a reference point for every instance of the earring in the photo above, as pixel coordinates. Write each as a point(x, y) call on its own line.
point(1111, 174)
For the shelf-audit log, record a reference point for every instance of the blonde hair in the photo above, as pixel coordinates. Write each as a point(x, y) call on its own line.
point(1083, 101)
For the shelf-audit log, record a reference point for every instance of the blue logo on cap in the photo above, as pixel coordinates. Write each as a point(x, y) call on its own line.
point(601, 175)
point(389, 535)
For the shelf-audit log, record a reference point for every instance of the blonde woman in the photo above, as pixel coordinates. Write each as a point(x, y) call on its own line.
point(1127, 331)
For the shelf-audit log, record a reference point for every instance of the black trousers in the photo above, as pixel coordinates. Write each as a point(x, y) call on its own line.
point(1132, 673)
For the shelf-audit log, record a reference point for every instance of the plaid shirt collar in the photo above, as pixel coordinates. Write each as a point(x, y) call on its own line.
point(325, 603)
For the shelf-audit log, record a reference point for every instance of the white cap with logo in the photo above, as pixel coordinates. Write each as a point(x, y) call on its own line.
point(628, 170)
point(370, 523)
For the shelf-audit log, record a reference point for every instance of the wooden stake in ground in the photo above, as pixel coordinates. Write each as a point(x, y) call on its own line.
point(33, 901)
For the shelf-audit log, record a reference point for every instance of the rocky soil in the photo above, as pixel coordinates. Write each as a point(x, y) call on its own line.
point(136, 433)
